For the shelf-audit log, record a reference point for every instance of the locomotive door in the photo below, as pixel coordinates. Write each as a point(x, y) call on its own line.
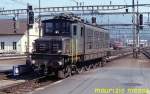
point(74, 43)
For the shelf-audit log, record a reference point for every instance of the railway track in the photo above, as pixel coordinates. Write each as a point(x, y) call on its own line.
point(31, 84)
point(33, 81)
point(28, 85)
point(3, 76)
point(146, 52)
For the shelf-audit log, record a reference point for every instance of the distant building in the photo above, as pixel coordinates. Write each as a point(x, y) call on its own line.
point(15, 40)
point(143, 43)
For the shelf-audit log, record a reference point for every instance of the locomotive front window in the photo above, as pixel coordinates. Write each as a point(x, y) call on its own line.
point(56, 27)
point(49, 27)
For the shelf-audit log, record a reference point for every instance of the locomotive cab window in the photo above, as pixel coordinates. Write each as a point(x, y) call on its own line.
point(74, 30)
point(56, 27)
point(48, 27)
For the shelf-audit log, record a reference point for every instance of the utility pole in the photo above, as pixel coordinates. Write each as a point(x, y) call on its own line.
point(136, 28)
point(137, 31)
point(133, 29)
point(28, 31)
point(30, 22)
point(39, 18)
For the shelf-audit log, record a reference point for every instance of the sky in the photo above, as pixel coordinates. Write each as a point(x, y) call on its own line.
point(15, 4)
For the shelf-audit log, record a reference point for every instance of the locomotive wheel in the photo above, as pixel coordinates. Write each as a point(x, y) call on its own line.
point(85, 68)
point(65, 72)
point(102, 64)
point(99, 64)
point(80, 70)
point(69, 71)
point(96, 65)
point(92, 66)
point(74, 70)
point(88, 67)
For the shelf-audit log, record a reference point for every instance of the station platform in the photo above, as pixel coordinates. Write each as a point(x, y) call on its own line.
point(125, 76)
point(12, 57)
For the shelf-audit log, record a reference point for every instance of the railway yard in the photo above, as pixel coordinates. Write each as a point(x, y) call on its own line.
point(74, 47)
point(122, 72)
point(75, 65)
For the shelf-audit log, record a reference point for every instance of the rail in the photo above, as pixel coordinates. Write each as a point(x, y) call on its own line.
point(29, 85)
point(146, 52)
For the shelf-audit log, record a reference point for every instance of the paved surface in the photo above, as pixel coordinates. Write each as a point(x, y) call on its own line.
point(7, 64)
point(123, 76)
point(6, 83)
point(11, 57)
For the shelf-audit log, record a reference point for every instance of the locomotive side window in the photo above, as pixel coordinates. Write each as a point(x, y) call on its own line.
point(81, 31)
point(74, 30)
point(67, 27)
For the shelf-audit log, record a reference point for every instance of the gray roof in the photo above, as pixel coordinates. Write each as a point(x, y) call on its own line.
point(7, 27)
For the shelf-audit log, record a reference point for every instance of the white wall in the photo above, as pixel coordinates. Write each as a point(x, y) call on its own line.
point(9, 39)
point(21, 40)
point(33, 34)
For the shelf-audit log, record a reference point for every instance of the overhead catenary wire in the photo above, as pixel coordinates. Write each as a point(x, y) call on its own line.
point(125, 2)
point(22, 2)
point(19, 2)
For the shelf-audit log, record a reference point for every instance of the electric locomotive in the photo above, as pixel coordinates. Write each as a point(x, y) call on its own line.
point(68, 44)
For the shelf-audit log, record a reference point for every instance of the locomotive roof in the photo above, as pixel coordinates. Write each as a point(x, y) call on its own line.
point(95, 26)
point(74, 21)
point(59, 17)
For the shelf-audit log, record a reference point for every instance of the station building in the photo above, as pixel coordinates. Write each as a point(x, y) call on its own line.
point(143, 43)
point(14, 40)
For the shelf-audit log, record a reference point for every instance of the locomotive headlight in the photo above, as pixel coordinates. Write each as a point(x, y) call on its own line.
point(15, 70)
point(56, 32)
point(33, 61)
point(59, 51)
point(60, 63)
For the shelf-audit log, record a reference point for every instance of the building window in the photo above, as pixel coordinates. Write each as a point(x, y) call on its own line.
point(2, 45)
point(14, 45)
point(75, 30)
